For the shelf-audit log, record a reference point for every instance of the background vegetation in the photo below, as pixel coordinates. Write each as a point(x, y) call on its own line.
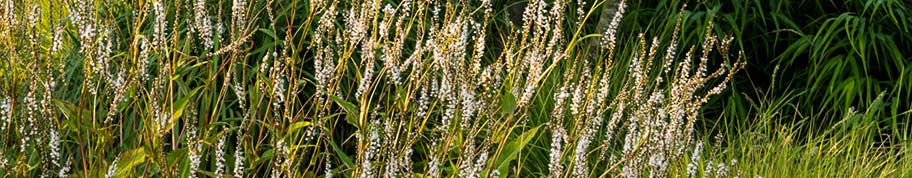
point(308, 88)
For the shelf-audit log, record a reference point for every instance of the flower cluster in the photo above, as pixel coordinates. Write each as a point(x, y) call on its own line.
point(194, 154)
point(239, 12)
point(7, 16)
point(654, 123)
point(454, 86)
point(112, 168)
point(159, 37)
point(220, 156)
point(6, 111)
point(202, 25)
point(239, 159)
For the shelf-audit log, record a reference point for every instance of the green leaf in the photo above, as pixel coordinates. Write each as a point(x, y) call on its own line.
point(71, 112)
point(66, 108)
point(268, 32)
point(207, 173)
point(268, 155)
point(350, 109)
point(507, 103)
point(181, 104)
point(298, 125)
point(174, 157)
point(512, 149)
point(130, 159)
point(345, 159)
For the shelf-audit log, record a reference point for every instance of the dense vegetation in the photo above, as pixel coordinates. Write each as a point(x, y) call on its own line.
point(459, 88)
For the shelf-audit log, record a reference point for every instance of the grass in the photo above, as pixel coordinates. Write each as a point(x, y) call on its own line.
point(371, 88)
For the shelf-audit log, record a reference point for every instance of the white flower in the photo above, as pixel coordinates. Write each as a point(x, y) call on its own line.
point(580, 11)
point(9, 16)
point(84, 19)
point(239, 12)
point(468, 105)
point(581, 166)
point(406, 160)
point(157, 93)
point(281, 153)
point(371, 150)
point(120, 87)
point(194, 153)
point(695, 160)
point(63, 170)
point(54, 144)
point(579, 96)
point(448, 97)
point(721, 170)
point(324, 61)
point(6, 110)
point(112, 168)
point(555, 166)
point(433, 165)
point(495, 173)
point(202, 26)
point(159, 38)
point(220, 157)
point(31, 104)
point(609, 39)
point(368, 75)
point(240, 92)
point(57, 39)
point(278, 81)
point(424, 101)
point(327, 172)
point(239, 158)
point(479, 44)
point(143, 59)
point(473, 169)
